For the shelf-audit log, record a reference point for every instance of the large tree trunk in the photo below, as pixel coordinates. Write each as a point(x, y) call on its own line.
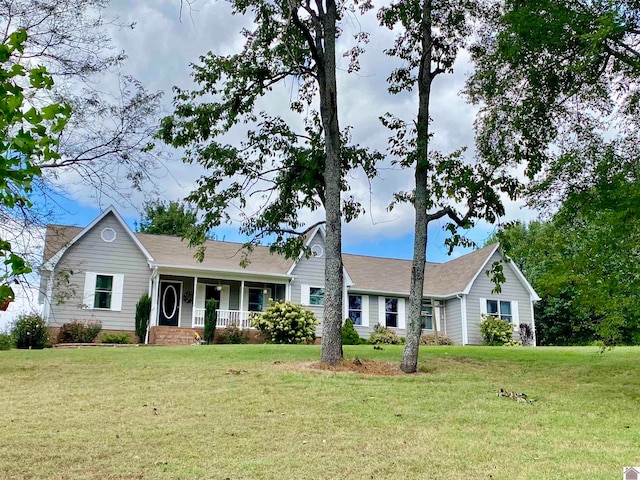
point(410, 355)
point(331, 330)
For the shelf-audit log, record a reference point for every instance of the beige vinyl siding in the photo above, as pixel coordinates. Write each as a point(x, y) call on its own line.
point(92, 254)
point(512, 290)
point(309, 271)
point(454, 319)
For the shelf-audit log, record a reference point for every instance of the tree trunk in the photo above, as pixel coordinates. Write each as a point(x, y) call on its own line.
point(332, 324)
point(411, 347)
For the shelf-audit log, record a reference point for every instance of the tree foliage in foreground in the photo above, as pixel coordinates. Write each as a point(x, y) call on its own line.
point(447, 185)
point(29, 135)
point(281, 167)
point(585, 262)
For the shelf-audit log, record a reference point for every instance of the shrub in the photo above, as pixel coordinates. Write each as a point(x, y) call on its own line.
point(383, 335)
point(79, 332)
point(495, 331)
point(121, 338)
point(30, 331)
point(349, 334)
point(430, 339)
point(526, 334)
point(143, 313)
point(6, 342)
point(233, 334)
point(210, 320)
point(286, 323)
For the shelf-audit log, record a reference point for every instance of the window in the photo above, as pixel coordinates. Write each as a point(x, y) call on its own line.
point(426, 313)
point(391, 312)
point(316, 296)
point(104, 289)
point(355, 309)
point(108, 235)
point(500, 309)
point(255, 300)
point(317, 250)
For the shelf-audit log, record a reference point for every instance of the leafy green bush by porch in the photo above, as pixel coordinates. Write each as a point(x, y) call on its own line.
point(495, 331)
point(349, 334)
point(119, 338)
point(286, 323)
point(383, 336)
point(30, 331)
point(233, 335)
point(79, 332)
point(210, 320)
point(6, 342)
point(143, 313)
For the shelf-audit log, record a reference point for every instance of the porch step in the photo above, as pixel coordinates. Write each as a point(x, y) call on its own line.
point(161, 335)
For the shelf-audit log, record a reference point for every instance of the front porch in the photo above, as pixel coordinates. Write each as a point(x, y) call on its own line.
point(178, 300)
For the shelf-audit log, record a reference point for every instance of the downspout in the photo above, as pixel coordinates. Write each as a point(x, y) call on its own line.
point(463, 314)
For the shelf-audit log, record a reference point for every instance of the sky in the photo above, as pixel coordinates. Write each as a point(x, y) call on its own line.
point(165, 40)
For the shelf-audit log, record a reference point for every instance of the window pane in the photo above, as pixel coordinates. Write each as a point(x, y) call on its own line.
point(508, 318)
point(391, 319)
point(355, 302)
point(316, 296)
point(255, 300)
point(356, 317)
point(104, 282)
point(102, 300)
point(505, 308)
point(391, 305)
point(427, 322)
point(492, 307)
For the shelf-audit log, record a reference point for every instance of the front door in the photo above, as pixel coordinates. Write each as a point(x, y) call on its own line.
point(169, 303)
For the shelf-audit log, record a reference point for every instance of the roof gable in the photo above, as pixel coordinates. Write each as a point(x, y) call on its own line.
point(59, 239)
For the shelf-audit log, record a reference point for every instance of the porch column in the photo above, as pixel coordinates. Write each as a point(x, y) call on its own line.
point(193, 302)
point(241, 306)
point(154, 299)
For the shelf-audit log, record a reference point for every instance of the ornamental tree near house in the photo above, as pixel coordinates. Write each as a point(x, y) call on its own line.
point(278, 169)
point(432, 33)
point(28, 136)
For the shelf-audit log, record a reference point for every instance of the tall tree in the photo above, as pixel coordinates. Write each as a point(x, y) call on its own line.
point(449, 186)
point(28, 136)
point(167, 218)
point(279, 169)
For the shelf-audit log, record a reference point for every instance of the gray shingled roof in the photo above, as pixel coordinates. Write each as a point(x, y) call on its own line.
point(367, 273)
point(392, 275)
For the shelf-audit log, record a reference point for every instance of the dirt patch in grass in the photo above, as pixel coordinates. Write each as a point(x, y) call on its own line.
point(356, 365)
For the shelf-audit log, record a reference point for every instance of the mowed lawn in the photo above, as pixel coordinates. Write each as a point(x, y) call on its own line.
point(261, 411)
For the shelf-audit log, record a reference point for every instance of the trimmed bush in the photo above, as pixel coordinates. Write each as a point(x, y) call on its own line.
point(495, 331)
point(79, 332)
point(383, 336)
point(30, 331)
point(6, 342)
point(349, 334)
point(143, 313)
point(286, 323)
point(120, 338)
point(210, 320)
point(430, 339)
point(233, 334)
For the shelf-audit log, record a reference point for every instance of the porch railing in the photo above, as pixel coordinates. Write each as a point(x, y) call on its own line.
point(225, 318)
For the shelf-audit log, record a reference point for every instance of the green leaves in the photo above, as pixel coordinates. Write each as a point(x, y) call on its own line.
point(26, 139)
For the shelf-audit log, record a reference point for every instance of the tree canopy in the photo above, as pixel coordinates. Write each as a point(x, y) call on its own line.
point(167, 218)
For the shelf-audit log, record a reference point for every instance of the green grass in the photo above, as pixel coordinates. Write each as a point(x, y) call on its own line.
point(89, 414)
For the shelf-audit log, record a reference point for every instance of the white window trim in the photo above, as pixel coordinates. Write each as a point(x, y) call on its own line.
point(117, 290)
point(382, 311)
point(108, 229)
point(305, 295)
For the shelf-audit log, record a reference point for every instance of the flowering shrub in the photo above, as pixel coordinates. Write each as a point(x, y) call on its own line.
point(79, 332)
point(383, 335)
point(495, 331)
point(430, 339)
point(286, 323)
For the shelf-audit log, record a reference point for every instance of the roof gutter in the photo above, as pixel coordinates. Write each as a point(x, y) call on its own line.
point(213, 271)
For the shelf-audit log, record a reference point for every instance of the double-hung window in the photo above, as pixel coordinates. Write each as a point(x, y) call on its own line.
point(103, 292)
point(316, 296)
point(426, 314)
point(500, 309)
point(355, 309)
point(391, 312)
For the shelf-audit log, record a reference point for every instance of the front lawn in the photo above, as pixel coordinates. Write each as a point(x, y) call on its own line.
point(260, 411)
